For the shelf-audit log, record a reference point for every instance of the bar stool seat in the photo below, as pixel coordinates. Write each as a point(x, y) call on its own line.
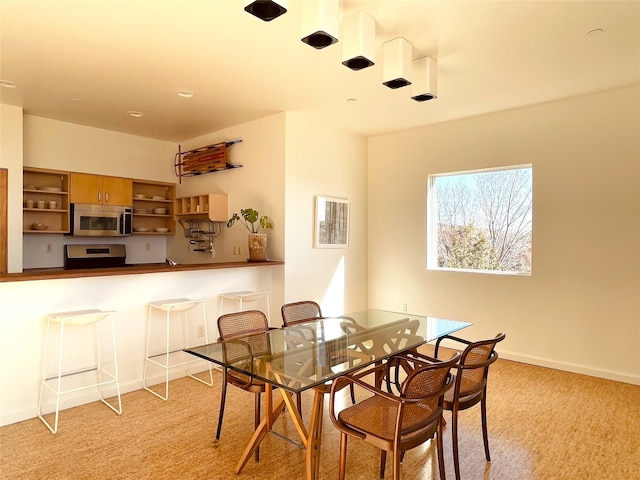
point(245, 296)
point(168, 358)
point(62, 382)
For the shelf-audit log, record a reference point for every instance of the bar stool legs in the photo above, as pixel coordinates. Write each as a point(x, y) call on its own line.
point(164, 359)
point(54, 384)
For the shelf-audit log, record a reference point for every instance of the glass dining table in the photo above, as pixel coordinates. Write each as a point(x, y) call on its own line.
point(310, 354)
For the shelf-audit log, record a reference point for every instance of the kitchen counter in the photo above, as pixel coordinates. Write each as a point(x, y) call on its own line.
point(131, 269)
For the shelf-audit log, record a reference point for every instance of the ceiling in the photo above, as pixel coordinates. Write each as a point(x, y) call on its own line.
point(91, 61)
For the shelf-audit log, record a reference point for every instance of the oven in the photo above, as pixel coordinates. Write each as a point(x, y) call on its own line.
point(101, 220)
point(94, 256)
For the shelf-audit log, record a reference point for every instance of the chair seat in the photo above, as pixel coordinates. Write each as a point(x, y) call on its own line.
point(377, 416)
point(80, 317)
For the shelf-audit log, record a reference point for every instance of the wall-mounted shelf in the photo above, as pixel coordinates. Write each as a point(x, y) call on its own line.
point(210, 206)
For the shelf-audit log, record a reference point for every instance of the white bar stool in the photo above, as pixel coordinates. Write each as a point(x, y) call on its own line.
point(245, 296)
point(168, 358)
point(61, 383)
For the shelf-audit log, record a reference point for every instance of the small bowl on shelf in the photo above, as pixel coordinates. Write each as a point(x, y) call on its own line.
point(140, 229)
point(50, 189)
point(141, 210)
point(161, 230)
point(160, 211)
point(158, 197)
point(39, 226)
point(139, 196)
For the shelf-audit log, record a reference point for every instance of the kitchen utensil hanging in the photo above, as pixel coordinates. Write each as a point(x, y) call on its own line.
point(201, 234)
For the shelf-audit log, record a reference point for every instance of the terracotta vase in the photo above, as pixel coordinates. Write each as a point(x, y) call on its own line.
point(257, 247)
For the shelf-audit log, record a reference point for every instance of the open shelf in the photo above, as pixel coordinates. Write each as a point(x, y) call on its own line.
point(45, 186)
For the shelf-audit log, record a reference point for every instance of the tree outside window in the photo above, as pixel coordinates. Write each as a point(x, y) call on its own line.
point(481, 220)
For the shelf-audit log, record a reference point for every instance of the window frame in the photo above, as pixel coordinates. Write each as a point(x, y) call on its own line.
point(432, 222)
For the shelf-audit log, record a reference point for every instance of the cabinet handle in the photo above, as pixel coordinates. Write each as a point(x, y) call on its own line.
point(106, 197)
point(99, 196)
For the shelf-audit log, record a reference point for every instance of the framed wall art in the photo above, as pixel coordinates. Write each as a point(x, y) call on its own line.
point(332, 222)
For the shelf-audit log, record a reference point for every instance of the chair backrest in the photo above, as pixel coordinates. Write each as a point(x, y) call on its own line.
point(429, 379)
point(299, 312)
point(428, 382)
point(474, 364)
point(238, 324)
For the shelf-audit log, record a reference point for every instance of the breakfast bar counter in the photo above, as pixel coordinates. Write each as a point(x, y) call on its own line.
point(130, 269)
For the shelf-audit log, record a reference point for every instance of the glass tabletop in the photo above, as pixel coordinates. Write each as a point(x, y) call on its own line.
point(311, 353)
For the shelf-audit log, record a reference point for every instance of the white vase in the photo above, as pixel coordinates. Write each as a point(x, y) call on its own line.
point(257, 247)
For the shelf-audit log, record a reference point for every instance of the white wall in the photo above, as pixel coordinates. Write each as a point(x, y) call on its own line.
point(67, 146)
point(324, 161)
point(25, 303)
point(11, 152)
point(259, 184)
point(580, 308)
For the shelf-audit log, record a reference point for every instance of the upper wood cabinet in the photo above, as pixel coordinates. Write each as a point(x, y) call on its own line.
point(99, 189)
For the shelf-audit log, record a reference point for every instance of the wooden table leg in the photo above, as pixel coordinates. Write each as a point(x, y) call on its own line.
point(310, 438)
point(315, 435)
point(271, 415)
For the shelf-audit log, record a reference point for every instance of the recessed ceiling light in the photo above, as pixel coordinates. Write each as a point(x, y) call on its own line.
point(135, 113)
point(351, 99)
point(8, 84)
point(185, 93)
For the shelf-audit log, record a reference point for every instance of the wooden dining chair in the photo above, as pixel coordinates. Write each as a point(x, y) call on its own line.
point(298, 312)
point(231, 327)
point(395, 423)
point(470, 386)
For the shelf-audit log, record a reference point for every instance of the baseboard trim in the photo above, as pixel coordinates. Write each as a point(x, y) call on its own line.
point(91, 395)
point(572, 368)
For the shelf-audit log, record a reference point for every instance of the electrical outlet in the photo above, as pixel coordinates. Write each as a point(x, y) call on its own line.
point(201, 331)
point(147, 246)
point(404, 308)
point(49, 248)
point(237, 250)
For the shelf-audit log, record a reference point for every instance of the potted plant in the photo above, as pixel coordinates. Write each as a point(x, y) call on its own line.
point(253, 222)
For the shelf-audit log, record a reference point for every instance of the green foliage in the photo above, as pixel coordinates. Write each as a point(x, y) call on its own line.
point(249, 217)
point(467, 247)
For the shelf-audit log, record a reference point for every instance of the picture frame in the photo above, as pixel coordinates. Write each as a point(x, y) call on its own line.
point(332, 220)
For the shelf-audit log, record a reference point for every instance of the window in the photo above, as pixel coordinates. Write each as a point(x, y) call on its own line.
point(480, 221)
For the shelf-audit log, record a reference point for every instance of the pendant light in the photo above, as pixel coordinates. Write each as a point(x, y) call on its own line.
point(320, 22)
point(396, 63)
point(425, 79)
point(266, 10)
point(358, 41)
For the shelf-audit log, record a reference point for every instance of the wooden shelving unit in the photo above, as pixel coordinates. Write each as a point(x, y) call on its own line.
point(43, 185)
point(147, 197)
point(210, 206)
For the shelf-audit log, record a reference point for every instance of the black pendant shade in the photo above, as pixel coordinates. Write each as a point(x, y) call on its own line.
point(319, 40)
point(265, 10)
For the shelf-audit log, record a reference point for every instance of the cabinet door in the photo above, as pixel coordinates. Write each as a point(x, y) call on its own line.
point(85, 188)
point(117, 191)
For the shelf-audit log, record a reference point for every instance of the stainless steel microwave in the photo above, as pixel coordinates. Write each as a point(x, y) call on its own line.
point(101, 220)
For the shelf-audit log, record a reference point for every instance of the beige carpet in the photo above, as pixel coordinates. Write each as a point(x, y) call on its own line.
point(543, 424)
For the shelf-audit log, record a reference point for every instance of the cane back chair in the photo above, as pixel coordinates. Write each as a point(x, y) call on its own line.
point(395, 423)
point(470, 387)
point(232, 326)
